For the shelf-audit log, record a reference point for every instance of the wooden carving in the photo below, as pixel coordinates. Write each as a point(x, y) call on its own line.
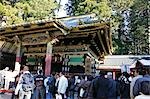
point(35, 39)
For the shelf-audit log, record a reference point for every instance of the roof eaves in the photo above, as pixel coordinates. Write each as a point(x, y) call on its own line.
point(27, 23)
point(91, 24)
point(77, 17)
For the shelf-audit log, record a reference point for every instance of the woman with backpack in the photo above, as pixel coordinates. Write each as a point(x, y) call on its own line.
point(87, 88)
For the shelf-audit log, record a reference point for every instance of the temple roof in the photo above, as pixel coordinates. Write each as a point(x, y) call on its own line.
point(81, 29)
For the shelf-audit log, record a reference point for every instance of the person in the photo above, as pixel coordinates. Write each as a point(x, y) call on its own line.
point(57, 82)
point(39, 91)
point(14, 94)
point(101, 86)
point(145, 91)
point(112, 94)
point(87, 87)
point(77, 85)
point(25, 84)
point(124, 86)
point(138, 74)
point(81, 90)
point(71, 87)
point(15, 84)
point(1, 79)
point(138, 84)
point(117, 79)
point(49, 84)
point(63, 84)
point(6, 75)
point(9, 77)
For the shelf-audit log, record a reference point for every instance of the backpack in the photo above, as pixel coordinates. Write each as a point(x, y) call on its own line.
point(27, 82)
point(76, 87)
point(124, 83)
point(84, 89)
point(145, 87)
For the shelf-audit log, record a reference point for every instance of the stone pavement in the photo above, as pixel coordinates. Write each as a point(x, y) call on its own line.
point(5, 96)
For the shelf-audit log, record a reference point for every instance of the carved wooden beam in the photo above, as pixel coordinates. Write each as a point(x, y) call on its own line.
point(76, 30)
point(110, 40)
point(76, 35)
point(96, 46)
point(70, 48)
point(3, 38)
point(26, 27)
point(101, 41)
point(24, 44)
point(107, 40)
point(61, 50)
point(33, 54)
point(30, 32)
point(97, 24)
point(92, 53)
point(63, 53)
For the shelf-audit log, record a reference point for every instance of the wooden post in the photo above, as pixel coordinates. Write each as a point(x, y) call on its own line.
point(48, 59)
point(88, 66)
point(18, 54)
point(114, 74)
point(18, 58)
point(18, 44)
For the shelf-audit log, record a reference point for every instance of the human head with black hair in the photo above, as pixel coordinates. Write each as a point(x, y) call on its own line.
point(90, 78)
point(138, 71)
point(102, 73)
point(57, 75)
point(61, 74)
point(126, 74)
point(39, 72)
point(146, 71)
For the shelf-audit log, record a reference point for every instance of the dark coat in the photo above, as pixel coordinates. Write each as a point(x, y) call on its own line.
point(125, 88)
point(87, 86)
point(138, 85)
point(100, 88)
point(71, 85)
point(112, 89)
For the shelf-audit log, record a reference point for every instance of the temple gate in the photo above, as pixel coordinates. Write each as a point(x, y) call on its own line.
point(62, 44)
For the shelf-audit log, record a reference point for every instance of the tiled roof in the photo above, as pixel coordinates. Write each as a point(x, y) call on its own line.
point(116, 61)
point(145, 62)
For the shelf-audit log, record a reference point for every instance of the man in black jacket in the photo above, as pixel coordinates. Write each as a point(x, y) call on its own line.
point(112, 86)
point(101, 86)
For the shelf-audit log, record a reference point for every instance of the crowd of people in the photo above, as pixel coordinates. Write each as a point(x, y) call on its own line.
point(102, 86)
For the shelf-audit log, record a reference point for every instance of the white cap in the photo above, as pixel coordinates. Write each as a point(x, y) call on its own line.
point(109, 73)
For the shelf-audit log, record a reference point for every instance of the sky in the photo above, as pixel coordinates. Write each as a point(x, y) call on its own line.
point(61, 12)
